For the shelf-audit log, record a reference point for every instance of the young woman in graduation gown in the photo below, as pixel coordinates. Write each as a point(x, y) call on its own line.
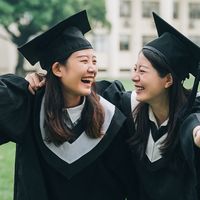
point(70, 141)
point(163, 117)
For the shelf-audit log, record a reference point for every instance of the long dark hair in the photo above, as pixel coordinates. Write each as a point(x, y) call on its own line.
point(177, 98)
point(92, 115)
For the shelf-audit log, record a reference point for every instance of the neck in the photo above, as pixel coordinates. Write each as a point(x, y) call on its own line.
point(72, 101)
point(161, 111)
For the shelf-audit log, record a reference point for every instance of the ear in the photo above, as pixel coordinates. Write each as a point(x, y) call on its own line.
point(169, 80)
point(56, 69)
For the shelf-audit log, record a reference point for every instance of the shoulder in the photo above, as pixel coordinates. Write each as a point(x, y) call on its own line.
point(113, 117)
point(110, 109)
point(115, 93)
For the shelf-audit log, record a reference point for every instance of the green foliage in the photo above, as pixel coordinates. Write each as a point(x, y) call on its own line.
point(96, 10)
point(6, 11)
point(31, 17)
point(37, 15)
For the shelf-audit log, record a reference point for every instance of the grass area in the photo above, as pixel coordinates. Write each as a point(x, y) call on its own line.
point(7, 152)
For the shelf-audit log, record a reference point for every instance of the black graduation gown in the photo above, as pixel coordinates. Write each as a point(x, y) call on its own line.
point(161, 180)
point(103, 173)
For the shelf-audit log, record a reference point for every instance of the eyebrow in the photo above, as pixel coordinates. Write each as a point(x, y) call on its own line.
point(86, 56)
point(142, 66)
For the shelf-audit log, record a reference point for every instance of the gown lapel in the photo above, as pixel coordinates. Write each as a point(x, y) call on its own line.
point(71, 158)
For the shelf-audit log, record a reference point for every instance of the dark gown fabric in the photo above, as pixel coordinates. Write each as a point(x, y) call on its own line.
point(104, 173)
point(162, 179)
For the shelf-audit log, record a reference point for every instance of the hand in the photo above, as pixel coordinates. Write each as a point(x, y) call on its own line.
point(36, 81)
point(196, 136)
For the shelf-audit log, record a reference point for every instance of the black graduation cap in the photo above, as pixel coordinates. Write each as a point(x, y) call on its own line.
point(180, 53)
point(59, 42)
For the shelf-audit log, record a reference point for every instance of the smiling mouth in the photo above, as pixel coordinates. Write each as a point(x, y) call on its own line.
point(139, 88)
point(86, 81)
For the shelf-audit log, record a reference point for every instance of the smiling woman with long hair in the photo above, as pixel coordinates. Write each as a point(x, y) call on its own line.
point(70, 141)
point(163, 116)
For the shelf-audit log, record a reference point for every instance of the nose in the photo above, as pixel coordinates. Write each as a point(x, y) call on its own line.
point(135, 76)
point(92, 68)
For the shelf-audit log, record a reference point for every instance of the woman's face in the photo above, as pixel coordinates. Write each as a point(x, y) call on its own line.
point(78, 74)
point(150, 87)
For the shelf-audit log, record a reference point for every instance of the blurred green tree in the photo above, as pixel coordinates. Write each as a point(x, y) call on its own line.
point(29, 17)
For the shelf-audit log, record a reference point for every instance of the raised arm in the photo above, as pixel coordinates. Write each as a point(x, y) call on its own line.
point(14, 108)
point(116, 94)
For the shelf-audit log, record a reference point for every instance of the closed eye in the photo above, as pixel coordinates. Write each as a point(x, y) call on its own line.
point(84, 61)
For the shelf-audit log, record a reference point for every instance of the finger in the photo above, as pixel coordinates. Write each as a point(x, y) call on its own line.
point(195, 130)
point(197, 139)
point(36, 80)
point(31, 90)
point(41, 76)
point(42, 83)
point(33, 82)
point(31, 79)
point(196, 136)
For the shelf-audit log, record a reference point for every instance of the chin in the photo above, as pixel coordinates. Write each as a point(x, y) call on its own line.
point(140, 99)
point(86, 92)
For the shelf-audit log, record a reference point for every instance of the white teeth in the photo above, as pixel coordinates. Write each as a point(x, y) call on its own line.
point(139, 88)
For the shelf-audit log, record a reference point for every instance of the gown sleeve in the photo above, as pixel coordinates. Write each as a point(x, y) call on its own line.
point(116, 94)
point(190, 150)
point(14, 108)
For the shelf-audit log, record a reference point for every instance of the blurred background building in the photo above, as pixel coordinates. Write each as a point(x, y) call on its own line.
point(131, 27)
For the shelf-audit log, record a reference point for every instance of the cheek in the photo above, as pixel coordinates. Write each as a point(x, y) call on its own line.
point(73, 73)
point(152, 83)
point(146, 79)
point(71, 79)
point(151, 78)
point(158, 88)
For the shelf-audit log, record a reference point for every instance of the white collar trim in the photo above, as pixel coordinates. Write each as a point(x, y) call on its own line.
point(70, 152)
point(153, 148)
point(75, 112)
